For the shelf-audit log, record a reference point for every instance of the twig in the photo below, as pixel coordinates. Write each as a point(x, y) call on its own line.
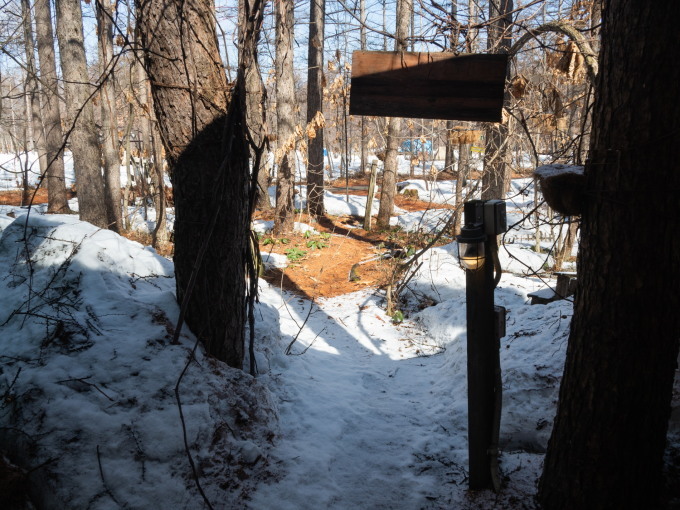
point(310, 343)
point(84, 381)
point(290, 345)
point(101, 474)
point(5, 395)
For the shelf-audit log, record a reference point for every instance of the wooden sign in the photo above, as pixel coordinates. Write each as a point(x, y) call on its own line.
point(428, 85)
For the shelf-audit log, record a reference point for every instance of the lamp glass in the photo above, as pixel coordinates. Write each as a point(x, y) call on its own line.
point(471, 255)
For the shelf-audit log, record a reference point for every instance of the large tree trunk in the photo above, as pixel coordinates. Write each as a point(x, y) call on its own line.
point(389, 183)
point(496, 178)
point(83, 139)
point(203, 129)
point(608, 440)
point(108, 112)
point(54, 138)
point(315, 184)
point(285, 117)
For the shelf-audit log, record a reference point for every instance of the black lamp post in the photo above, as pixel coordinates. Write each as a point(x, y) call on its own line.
point(478, 255)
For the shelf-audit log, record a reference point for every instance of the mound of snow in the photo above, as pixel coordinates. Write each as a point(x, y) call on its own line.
point(89, 370)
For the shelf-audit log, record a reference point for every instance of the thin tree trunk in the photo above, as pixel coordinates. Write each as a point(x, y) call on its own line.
point(127, 193)
point(150, 153)
point(389, 184)
point(607, 445)
point(108, 113)
point(160, 236)
point(495, 177)
point(27, 145)
point(54, 138)
point(461, 182)
point(84, 143)
point(285, 115)
point(315, 176)
point(257, 98)
point(32, 89)
point(364, 126)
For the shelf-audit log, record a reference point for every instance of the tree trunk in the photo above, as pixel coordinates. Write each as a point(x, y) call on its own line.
point(607, 445)
point(108, 112)
point(32, 90)
point(285, 117)
point(54, 138)
point(203, 129)
point(256, 97)
point(83, 138)
point(315, 177)
point(496, 170)
point(160, 236)
point(389, 184)
point(461, 182)
point(364, 127)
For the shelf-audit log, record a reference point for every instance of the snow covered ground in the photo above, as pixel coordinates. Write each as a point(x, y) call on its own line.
point(362, 413)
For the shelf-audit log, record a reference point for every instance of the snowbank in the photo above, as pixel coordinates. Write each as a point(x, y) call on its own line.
point(89, 371)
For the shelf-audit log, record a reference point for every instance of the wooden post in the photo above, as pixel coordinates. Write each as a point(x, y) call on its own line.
point(369, 198)
point(482, 361)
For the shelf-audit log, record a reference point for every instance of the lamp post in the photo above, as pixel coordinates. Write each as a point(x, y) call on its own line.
point(478, 255)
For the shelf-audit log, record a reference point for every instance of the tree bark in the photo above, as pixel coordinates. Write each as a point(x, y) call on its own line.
point(160, 236)
point(256, 97)
point(315, 159)
point(285, 117)
point(83, 138)
point(54, 138)
point(461, 182)
point(202, 125)
point(607, 445)
point(32, 89)
point(495, 179)
point(364, 124)
point(108, 113)
point(389, 184)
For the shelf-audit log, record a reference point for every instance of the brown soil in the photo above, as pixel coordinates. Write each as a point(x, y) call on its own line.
point(322, 271)
point(13, 197)
point(325, 271)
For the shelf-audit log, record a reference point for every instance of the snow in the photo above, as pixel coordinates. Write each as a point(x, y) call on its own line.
point(335, 204)
point(362, 413)
point(547, 171)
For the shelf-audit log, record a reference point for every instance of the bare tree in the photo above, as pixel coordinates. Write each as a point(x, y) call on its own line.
point(315, 144)
point(202, 122)
point(607, 446)
point(79, 91)
point(389, 184)
point(32, 92)
point(496, 177)
point(285, 117)
point(363, 127)
point(256, 98)
point(54, 138)
point(107, 92)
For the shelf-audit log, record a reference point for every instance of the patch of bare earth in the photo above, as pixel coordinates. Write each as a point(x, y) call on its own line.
point(324, 269)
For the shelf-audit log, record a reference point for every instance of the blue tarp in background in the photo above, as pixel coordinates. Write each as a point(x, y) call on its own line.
point(416, 146)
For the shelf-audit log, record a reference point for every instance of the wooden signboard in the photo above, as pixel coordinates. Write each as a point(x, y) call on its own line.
point(428, 85)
